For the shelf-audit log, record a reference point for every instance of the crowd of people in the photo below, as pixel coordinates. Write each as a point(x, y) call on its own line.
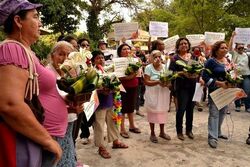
point(47, 138)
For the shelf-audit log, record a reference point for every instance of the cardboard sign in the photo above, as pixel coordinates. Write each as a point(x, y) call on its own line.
point(126, 30)
point(212, 37)
point(195, 39)
point(170, 43)
point(242, 35)
point(158, 29)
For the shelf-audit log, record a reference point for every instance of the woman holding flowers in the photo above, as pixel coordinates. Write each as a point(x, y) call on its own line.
point(214, 80)
point(157, 96)
point(105, 112)
point(57, 56)
point(130, 83)
point(184, 88)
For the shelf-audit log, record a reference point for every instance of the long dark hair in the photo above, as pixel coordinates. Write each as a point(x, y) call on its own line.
point(216, 47)
point(9, 23)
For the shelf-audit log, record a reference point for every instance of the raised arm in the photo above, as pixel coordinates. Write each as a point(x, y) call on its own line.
point(230, 45)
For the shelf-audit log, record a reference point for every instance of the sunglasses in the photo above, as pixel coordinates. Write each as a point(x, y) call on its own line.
point(240, 48)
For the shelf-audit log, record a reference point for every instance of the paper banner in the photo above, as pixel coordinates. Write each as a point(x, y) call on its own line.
point(198, 92)
point(242, 35)
point(158, 29)
point(222, 97)
point(195, 39)
point(91, 106)
point(170, 43)
point(126, 30)
point(212, 37)
point(121, 64)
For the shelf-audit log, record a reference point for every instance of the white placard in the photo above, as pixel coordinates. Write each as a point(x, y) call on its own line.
point(170, 43)
point(212, 37)
point(158, 29)
point(121, 64)
point(242, 35)
point(195, 39)
point(222, 97)
point(125, 30)
point(198, 92)
point(91, 106)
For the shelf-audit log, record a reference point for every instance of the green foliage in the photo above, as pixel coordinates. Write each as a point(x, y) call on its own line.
point(61, 16)
point(197, 16)
point(44, 45)
point(104, 8)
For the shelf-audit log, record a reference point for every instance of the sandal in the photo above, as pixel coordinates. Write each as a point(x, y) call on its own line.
point(124, 135)
point(119, 145)
point(153, 139)
point(165, 136)
point(135, 130)
point(104, 153)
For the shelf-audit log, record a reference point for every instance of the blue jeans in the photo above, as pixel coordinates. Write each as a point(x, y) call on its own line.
point(246, 87)
point(215, 120)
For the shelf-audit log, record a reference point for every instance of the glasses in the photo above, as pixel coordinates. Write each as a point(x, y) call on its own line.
point(240, 48)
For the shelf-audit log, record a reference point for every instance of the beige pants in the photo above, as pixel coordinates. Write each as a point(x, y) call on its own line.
point(102, 116)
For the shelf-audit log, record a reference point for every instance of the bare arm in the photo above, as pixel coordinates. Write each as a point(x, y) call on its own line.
point(149, 82)
point(230, 45)
point(17, 114)
point(129, 77)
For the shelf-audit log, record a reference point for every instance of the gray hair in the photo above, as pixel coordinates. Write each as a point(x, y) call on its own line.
point(59, 45)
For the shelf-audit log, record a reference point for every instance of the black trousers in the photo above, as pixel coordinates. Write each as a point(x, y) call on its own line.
point(184, 103)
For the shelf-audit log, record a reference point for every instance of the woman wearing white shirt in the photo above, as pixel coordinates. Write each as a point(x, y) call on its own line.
point(157, 96)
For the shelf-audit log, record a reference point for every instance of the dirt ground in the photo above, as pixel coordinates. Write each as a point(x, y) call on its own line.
point(189, 153)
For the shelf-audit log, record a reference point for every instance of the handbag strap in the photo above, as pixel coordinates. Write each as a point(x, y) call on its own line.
point(32, 87)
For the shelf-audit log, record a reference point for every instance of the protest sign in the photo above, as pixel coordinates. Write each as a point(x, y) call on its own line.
point(222, 97)
point(91, 106)
point(121, 64)
point(198, 93)
point(170, 43)
point(212, 37)
point(242, 35)
point(195, 39)
point(158, 29)
point(125, 30)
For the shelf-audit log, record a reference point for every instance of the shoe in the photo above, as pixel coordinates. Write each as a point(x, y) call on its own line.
point(135, 130)
point(165, 136)
point(104, 153)
point(153, 139)
point(124, 135)
point(180, 136)
point(190, 135)
point(237, 109)
point(223, 137)
point(139, 113)
point(119, 145)
point(248, 140)
point(212, 143)
point(85, 141)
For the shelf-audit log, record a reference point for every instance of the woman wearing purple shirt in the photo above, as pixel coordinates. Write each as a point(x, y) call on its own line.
point(104, 114)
